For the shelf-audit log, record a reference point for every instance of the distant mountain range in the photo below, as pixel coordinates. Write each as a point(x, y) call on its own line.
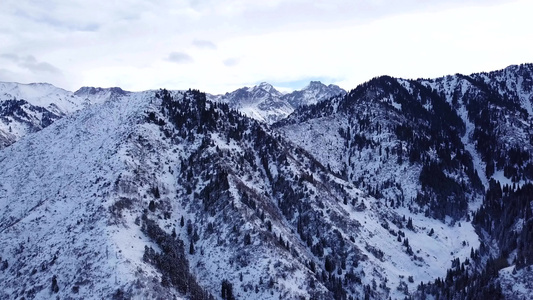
point(26, 108)
point(264, 103)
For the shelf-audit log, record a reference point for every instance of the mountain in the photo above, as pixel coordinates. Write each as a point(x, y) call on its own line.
point(99, 95)
point(314, 93)
point(28, 108)
point(264, 103)
point(114, 200)
point(398, 189)
point(445, 148)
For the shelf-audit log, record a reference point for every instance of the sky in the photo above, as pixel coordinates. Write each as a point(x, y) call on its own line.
point(218, 46)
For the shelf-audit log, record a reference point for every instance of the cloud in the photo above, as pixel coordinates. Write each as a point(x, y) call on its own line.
point(10, 56)
point(7, 75)
point(222, 45)
point(60, 17)
point(204, 44)
point(232, 61)
point(29, 62)
point(180, 58)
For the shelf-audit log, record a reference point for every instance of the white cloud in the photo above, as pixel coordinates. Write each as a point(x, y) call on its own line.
point(29, 68)
point(204, 44)
point(180, 58)
point(133, 43)
point(232, 61)
point(29, 62)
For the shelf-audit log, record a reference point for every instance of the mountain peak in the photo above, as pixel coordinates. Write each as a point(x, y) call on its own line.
point(89, 90)
point(266, 86)
point(315, 84)
point(313, 93)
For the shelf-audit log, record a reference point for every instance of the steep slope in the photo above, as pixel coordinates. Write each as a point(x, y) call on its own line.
point(28, 108)
point(54, 99)
point(496, 109)
point(264, 103)
point(19, 118)
point(329, 225)
point(166, 194)
point(402, 145)
point(55, 194)
point(439, 147)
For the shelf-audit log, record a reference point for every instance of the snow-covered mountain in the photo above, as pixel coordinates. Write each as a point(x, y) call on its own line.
point(264, 103)
point(96, 205)
point(435, 146)
point(313, 93)
point(28, 108)
point(399, 188)
point(261, 102)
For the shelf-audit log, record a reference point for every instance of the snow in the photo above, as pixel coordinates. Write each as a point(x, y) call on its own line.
point(516, 284)
point(321, 138)
point(479, 165)
point(435, 252)
point(39, 96)
point(56, 187)
point(265, 104)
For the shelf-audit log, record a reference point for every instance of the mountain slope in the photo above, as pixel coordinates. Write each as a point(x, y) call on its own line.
point(438, 147)
point(54, 197)
point(28, 108)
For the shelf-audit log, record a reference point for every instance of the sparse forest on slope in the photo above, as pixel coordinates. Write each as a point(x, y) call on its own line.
point(436, 145)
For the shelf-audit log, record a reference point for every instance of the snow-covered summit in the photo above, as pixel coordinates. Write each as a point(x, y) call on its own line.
point(57, 100)
point(267, 87)
point(266, 104)
point(28, 108)
point(313, 93)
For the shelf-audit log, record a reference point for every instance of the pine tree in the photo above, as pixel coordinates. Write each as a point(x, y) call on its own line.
point(191, 248)
point(55, 287)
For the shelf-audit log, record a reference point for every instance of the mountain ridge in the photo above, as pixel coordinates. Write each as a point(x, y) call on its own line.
point(43, 100)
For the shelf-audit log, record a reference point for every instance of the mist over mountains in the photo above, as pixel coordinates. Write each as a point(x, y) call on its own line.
point(417, 189)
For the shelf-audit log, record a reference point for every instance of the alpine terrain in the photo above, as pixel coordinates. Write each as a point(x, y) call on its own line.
point(397, 189)
point(266, 104)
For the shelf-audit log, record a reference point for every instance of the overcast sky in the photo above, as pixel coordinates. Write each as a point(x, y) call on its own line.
point(217, 45)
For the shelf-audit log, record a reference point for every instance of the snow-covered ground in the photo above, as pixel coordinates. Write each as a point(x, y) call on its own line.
point(56, 188)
